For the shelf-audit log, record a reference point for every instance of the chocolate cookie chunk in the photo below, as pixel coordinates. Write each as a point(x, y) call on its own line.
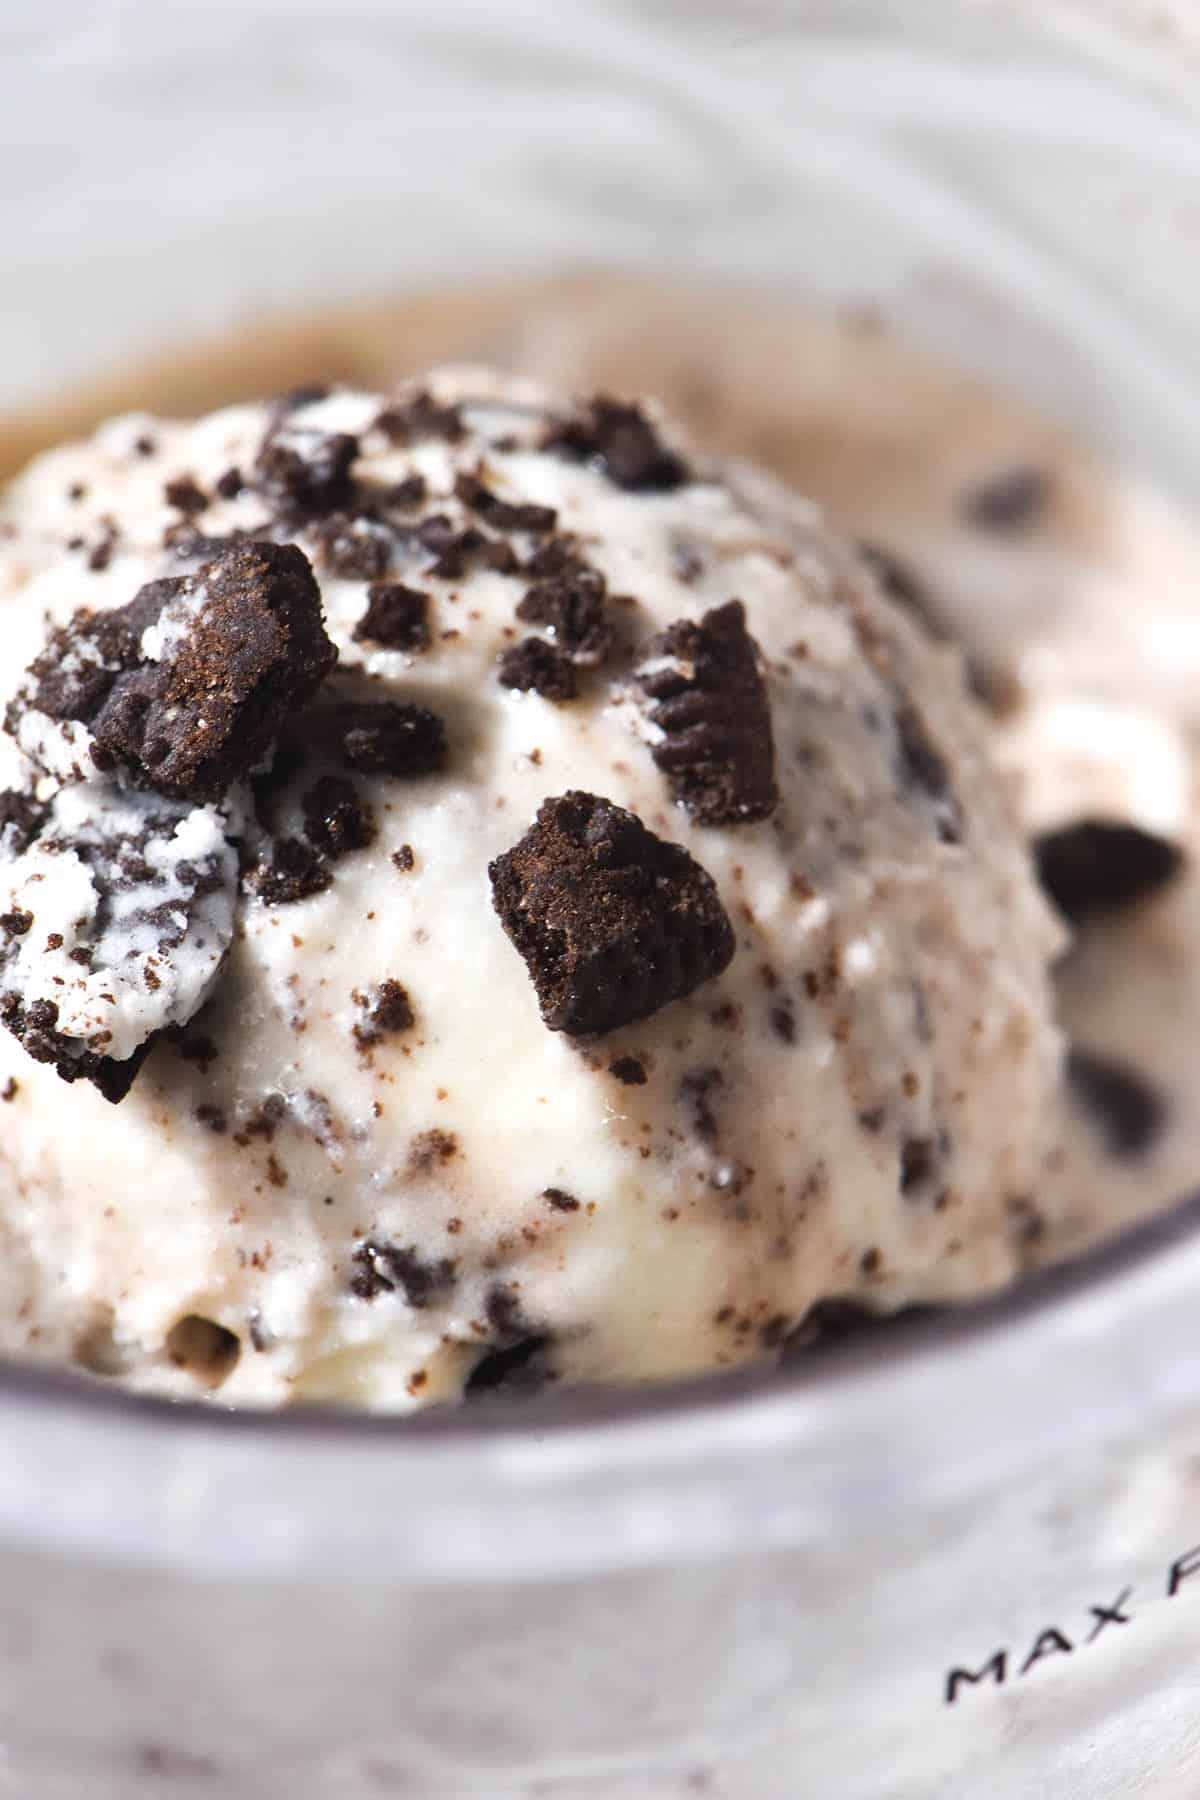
point(75, 674)
point(336, 819)
point(503, 515)
point(305, 470)
point(717, 749)
point(1098, 865)
point(353, 546)
point(572, 606)
point(20, 819)
point(537, 667)
point(35, 1028)
point(612, 922)
point(294, 871)
point(620, 440)
point(420, 416)
point(922, 770)
point(397, 618)
point(1127, 1112)
point(241, 646)
point(379, 737)
point(383, 1267)
point(387, 1009)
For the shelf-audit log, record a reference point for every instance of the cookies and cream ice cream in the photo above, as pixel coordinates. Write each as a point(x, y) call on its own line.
point(487, 897)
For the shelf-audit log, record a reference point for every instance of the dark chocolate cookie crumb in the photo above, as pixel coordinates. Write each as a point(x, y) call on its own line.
point(782, 1016)
point(918, 1157)
point(336, 819)
point(404, 495)
point(696, 1090)
point(1128, 1113)
point(1098, 865)
point(430, 1149)
point(254, 651)
point(469, 548)
point(573, 607)
point(21, 818)
point(230, 484)
point(621, 441)
point(534, 666)
point(503, 515)
point(352, 546)
point(196, 1047)
point(380, 737)
point(10, 1090)
point(100, 555)
point(923, 769)
point(403, 859)
point(718, 752)
point(517, 1369)
point(186, 495)
point(628, 1070)
point(295, 871)
point(560, 556)
point(505, 1314)
point(1013, 501)
point(397, 617)
point(75, 674)
point(613, 923)
point(16, 923)
point(558, 1200)
point(420, 416)
point(36, 1029)
point(306, 471)
point(387, 1009)
point(383, 1267)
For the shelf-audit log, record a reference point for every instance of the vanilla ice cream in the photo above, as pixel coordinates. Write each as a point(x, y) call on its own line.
point(487, 897)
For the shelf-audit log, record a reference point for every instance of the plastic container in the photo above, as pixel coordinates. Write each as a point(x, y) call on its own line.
point(961, 1557)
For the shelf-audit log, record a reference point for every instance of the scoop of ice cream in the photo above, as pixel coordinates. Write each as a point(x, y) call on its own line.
point(627, 946)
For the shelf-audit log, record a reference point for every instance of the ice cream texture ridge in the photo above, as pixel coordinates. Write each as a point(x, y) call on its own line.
point(492, 897)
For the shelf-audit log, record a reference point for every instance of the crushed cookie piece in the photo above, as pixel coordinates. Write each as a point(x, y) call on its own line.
point(352, 546)
point(387, 1009)
point(186, 495)
point(622, 443)
point(336, 819)
point(534, 666)
point(1129, 1114)
point(384, 1267)
point(419, 416)
point(306, 471)
point(612, 922)
point(397, 618)
point(558, 1200)
point(242, 645)
point(503, 515)
point(922, 769)
point(1100, 865)
point(710, 703)
point(431, 1148)
point(628, 1070)
point(379, 737)
point(294, 871)
point(573, 608)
